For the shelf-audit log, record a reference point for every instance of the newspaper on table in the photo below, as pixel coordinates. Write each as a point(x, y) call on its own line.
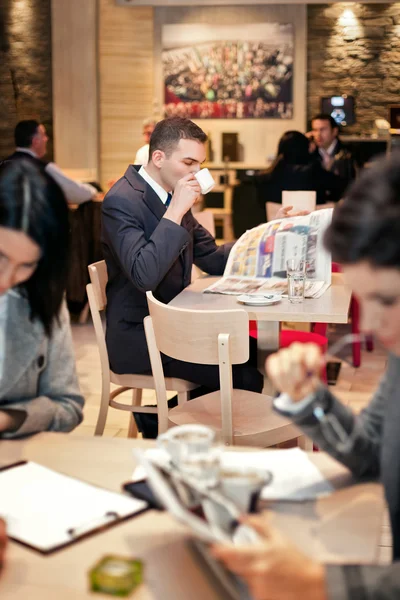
point(257, 262)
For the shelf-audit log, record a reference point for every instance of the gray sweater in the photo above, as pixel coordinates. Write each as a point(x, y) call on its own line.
point(39, 375)
point(372, 449)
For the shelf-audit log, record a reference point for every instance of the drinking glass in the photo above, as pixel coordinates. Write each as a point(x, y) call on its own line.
point(296, 274)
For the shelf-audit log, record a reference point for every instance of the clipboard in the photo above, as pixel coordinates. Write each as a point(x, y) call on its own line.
point(47, 511)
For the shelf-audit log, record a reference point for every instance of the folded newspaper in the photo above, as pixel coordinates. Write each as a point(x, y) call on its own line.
point(257, 262)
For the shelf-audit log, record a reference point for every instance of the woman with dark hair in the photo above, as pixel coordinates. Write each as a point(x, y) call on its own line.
point(295, 169)
point(38, 385)
point(365, 238)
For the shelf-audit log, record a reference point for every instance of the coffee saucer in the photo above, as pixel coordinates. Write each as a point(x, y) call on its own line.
point(264, 300)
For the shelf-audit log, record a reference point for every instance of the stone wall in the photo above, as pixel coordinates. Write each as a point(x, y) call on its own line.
point(25, 67)
point(354, 49)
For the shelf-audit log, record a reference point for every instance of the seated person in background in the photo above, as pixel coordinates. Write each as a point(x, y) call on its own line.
point(295, 169)
point(142, 155)
point(38, 385)
point(31, 143)
point(330, 151)
point(150, 242)
point(365, 238)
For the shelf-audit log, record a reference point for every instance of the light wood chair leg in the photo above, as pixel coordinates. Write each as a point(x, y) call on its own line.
point(102, 418)
point(305, 443)
point(136, 401)
point(182, 398)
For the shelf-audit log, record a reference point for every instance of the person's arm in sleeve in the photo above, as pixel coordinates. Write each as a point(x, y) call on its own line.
point(354, 441)
point(144, 261)
point(75, 192)
point(58, 405)
point(274, 568)
point(348, 582)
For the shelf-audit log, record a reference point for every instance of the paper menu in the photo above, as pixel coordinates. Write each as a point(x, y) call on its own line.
point(45, 509)
point(295, 477)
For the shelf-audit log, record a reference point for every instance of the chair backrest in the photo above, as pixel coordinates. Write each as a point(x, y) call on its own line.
point(199, 336)
point(192, 335)
point(96, 292)
point(99, 277)
point(271, 210)
point(206, 219)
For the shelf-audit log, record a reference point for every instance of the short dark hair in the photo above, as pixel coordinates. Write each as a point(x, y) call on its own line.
point(366, 225)
point(326, 117)
point(168, 132)
point(32, 202)
point(24, 132)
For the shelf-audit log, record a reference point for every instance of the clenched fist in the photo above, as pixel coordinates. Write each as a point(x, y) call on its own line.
point(187, 192)
point(296, 370)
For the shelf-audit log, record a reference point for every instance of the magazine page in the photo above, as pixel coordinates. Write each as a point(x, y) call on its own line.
point(257, 262)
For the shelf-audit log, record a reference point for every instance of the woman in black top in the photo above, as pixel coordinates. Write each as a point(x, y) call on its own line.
point(296, 169)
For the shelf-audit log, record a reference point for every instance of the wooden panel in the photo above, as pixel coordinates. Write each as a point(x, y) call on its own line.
point(259, 137)
point(126, 83)
point(74, 33)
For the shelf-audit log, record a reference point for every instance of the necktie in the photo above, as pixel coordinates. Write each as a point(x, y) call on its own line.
point(168, 202)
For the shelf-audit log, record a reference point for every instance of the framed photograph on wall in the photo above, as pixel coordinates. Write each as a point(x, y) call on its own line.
point(228, 71)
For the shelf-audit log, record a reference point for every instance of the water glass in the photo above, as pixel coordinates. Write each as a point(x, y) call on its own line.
point(296, 274)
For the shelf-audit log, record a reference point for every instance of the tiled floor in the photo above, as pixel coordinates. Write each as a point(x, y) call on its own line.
point(354, 387)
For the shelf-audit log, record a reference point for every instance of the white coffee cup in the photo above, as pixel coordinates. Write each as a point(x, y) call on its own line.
point(205, 180)
point(241, 484)
point(184, 440)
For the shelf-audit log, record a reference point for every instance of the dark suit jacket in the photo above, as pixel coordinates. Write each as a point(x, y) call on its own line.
point(145, 252)
point(40, 164)
point(343, 163)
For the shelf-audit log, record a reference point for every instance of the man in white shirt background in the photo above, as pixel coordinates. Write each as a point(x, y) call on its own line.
point(31, 143)
point(142, 155)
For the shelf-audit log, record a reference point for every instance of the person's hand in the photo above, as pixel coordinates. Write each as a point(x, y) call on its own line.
point(273, 569)
point(187, 191)
point(310, 135)
point(284, 212)
point(296, 370)
point(11, 420)
point(3, 542)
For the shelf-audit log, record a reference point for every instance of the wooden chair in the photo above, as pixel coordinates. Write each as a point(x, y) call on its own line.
point(213, 338)
point(96, 291)
point(271, 210)
point(206, 219)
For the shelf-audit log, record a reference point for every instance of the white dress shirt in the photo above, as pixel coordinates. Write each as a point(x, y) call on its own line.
point(161, 193)
point(327, 155)
point(142, 155)
point(75, 192)
point(285, 403)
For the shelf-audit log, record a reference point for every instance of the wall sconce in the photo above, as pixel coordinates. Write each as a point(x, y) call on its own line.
point(348, 18)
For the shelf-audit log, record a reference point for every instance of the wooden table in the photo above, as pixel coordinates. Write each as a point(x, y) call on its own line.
point(332, 307)
point(344, 527)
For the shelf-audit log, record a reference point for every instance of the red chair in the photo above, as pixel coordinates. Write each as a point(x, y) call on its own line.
point(322, 328)
point(287, 337)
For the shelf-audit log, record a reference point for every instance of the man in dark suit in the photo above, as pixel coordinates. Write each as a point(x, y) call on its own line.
point(332, 153)
point(150, 242)
point(31, 144)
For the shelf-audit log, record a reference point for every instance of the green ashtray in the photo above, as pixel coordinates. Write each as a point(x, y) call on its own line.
point(116, 575)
